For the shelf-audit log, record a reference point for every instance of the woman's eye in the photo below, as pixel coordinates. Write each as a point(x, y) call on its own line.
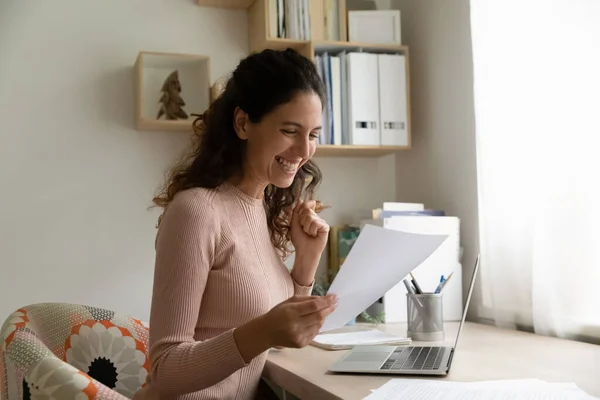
point(288, 131)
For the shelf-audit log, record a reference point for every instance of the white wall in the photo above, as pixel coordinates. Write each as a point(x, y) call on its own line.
point(76, 178)
point(440, 170)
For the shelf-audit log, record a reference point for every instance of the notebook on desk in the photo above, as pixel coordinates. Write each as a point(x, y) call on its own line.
point(404, 360)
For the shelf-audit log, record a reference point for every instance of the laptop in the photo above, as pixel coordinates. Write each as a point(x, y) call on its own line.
point(403, 360)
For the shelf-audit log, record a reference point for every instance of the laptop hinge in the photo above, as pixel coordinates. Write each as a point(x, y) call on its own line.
point(450, 360)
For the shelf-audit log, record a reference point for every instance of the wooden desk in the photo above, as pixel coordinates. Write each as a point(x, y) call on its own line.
point(483, 353)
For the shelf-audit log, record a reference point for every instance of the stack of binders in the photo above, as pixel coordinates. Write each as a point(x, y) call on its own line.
point(367, 99)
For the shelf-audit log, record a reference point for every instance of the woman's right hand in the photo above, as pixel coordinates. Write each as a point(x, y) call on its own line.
point(296, 321)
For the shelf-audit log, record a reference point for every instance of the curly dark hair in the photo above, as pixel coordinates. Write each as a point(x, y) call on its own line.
point(261, 82)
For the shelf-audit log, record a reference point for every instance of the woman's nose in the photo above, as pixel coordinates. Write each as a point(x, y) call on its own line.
point(303, 147)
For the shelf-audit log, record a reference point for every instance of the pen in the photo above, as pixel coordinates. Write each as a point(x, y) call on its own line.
point(408, 287)
point(446, 281)
point(417, 287)
point(440, 285)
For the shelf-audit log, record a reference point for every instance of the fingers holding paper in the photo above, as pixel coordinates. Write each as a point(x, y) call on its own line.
point(296, 321)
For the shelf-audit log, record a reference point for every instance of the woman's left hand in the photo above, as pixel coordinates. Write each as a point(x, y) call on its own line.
point(308, 231)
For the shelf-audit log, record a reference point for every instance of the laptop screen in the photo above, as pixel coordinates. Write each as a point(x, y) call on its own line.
point(462, 321)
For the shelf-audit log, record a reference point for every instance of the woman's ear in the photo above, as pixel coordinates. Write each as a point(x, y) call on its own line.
point(240, 119)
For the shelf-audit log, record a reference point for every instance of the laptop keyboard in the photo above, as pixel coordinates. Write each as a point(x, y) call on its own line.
point(415, 358)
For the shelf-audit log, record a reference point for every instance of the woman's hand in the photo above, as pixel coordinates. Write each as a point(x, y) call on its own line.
point(308, 231)
point(296, 321)
point(292, 323)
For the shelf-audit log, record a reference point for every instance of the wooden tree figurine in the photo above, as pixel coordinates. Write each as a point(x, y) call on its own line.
point(171, 101)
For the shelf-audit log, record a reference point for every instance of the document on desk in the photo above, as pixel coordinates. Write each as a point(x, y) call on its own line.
point(379, 259)
point(347, 340)
point(525, 389)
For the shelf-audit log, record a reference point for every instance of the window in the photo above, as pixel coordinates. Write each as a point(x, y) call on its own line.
point(537, 109)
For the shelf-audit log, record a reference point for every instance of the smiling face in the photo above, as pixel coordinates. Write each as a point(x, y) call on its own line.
point(282, 142)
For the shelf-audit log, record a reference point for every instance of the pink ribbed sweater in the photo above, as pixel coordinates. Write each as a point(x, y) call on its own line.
point(216, 269)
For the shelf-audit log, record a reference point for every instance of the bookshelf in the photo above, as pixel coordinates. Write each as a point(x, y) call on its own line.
point(259, 39)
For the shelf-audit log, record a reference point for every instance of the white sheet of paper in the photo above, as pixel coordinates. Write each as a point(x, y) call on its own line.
point(378, 260)
point(369, 337)
point(526, 389)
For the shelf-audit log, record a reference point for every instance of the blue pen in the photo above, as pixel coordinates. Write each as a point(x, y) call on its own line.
point(439, 287)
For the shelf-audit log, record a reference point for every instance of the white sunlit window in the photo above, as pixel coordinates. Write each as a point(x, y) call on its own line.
point(537, 108)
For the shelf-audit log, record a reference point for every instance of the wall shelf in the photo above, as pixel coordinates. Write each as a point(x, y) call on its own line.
point(151, 70)
point(239, 4)
point(330, 45)
point(259, 12)
point(325, 150)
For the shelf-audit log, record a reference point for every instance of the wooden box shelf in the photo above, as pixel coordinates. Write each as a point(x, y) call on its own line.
point(151, 70)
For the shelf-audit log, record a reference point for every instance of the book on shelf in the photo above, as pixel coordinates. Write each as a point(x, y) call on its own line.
point(332, 19)
point(293, 19)
point(289, 19)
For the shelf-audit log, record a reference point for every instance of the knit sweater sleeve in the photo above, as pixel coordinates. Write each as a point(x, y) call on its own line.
point(186, 244)
point(301, 290)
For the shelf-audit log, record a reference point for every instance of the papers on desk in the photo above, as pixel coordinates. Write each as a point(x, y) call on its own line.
point(347, 340)
point(378, 260)
point(524, 389)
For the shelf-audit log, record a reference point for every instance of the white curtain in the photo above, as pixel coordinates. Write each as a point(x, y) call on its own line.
point(537, 107)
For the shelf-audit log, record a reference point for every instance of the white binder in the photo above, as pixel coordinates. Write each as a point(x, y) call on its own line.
point(345, 94)
point(393, 111)
point(363, 98)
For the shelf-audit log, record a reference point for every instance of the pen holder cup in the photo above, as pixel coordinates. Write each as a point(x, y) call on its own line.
point(425, 316)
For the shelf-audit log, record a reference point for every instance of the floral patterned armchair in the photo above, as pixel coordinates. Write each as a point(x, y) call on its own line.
point(67, 351)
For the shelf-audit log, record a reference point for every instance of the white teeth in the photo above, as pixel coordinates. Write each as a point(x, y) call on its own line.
point(287, 166)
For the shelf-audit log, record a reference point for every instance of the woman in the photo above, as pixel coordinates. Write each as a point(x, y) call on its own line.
point(222, 295)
